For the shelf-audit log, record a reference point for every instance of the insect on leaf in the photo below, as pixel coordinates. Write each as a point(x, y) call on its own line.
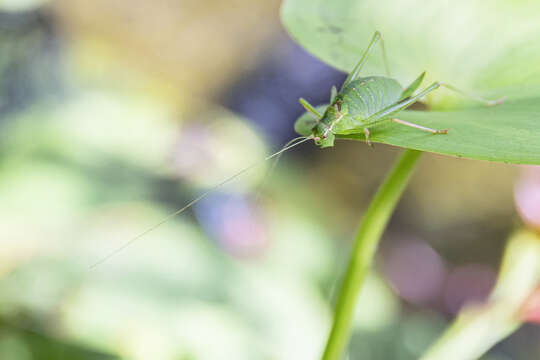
point(469, 57)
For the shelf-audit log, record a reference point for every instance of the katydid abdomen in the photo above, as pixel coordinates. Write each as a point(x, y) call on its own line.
point(360, 100)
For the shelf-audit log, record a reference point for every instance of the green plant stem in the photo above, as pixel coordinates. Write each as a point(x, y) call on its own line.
point(365, 244)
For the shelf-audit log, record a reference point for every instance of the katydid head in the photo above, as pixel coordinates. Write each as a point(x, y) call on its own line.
point(322, 131)
point(322, 135)
point(315, 126)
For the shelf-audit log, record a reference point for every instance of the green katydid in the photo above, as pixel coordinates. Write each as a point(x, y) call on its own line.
point(361, 104)
point(364, 102)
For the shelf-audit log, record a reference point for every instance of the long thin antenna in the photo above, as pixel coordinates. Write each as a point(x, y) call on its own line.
point(273, 166)
point(193, 202)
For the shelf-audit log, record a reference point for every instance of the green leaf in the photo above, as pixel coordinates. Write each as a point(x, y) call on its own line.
point(467, 43)
point(508, 133)
point(463, 45)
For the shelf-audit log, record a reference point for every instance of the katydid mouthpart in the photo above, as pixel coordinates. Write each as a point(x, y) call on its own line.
point(362, 103)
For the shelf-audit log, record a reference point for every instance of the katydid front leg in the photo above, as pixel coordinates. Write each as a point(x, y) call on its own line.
point(356, 71)
point(310, 108)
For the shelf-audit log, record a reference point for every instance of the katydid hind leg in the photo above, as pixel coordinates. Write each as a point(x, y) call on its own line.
point(487, 102)
point(419, 127)
point(385, 58)
point(409, 91)
point(387, 112)
point(356, 70)
point(405, 103)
